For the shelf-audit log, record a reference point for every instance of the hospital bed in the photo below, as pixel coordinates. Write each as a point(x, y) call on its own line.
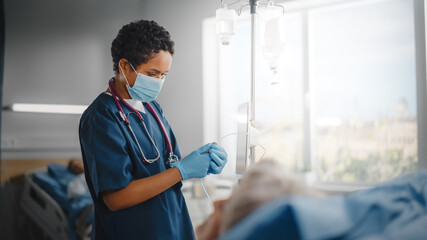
point(45, 202)
point(392, 210)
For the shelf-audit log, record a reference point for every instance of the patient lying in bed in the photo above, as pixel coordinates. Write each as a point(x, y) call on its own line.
point(77, 186)
point(262, 183)
point(67, 186)
point(268, 204)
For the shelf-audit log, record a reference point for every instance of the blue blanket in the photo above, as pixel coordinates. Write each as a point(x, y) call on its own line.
point(55, 182)
point(393, 210)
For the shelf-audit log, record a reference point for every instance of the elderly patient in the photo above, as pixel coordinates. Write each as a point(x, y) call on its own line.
point(260, 184)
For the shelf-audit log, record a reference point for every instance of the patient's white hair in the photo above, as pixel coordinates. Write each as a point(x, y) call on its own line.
point(260, 184)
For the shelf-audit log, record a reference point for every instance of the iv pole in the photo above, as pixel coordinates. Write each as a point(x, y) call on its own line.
point(251, 117)
point(253, 5)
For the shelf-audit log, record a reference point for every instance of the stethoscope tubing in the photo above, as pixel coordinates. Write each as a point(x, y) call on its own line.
point(116, 95)
point(139, 146)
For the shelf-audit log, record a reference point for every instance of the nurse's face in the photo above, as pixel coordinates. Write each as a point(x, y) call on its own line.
point(158, 66)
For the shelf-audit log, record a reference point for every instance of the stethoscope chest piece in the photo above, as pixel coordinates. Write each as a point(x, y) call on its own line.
point(172, 158)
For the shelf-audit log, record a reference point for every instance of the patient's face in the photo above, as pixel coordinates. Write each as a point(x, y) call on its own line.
point(209, 229)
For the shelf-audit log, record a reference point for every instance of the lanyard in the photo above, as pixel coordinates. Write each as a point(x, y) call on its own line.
point(171, 156)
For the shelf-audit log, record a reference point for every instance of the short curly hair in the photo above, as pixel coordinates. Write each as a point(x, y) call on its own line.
point(138, 41)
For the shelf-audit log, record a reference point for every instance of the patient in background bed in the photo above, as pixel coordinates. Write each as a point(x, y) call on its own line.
point(77, 186)
point(75, 166)
point(262, 183)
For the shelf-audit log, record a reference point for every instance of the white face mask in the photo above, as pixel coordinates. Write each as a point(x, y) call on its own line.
point(146, 88)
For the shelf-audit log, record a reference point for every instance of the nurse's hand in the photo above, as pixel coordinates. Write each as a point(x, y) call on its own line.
point(218, 159)
point(196, 164)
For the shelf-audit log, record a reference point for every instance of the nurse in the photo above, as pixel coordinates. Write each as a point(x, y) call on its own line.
point(133, 165)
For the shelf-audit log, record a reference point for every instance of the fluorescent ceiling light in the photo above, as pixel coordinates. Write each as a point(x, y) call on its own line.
point(47, 108)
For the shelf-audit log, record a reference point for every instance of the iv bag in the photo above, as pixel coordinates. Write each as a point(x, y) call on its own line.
point(225, 24)
point(272, 42)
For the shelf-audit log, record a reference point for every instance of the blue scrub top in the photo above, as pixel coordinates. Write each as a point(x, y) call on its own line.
point(112, 160)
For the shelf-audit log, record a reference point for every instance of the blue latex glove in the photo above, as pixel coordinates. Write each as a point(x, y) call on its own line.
point(218, 159)
point(196, 164)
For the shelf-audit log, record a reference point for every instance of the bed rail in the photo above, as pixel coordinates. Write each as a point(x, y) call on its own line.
point(43, 209)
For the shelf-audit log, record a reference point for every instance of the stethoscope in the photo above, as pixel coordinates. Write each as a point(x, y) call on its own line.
point(171, 156)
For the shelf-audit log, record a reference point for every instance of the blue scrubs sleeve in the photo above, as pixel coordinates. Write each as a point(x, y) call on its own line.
point(105, 150)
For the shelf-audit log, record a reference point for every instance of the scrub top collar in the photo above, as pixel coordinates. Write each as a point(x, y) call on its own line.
point(134, 103)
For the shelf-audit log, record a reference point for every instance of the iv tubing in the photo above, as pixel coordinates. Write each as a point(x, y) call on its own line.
point(206, 192)
point(219, 141)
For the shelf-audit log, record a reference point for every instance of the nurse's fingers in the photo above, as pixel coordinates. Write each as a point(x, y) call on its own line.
point(220, 154)
point(214, 168)
point(220, 151)
point(204, 148)
point(216, 160)
point(218, 147)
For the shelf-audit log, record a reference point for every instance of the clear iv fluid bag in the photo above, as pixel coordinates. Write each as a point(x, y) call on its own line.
point(225, 24)
point(272, 42)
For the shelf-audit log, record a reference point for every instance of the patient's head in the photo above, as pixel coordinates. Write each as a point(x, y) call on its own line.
point(75, 166)
point(260, 184)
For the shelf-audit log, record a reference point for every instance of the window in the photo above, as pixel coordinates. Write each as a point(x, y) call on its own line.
point(344, 101)
point(363, 84)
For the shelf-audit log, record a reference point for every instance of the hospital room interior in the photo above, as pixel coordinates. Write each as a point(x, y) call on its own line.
point(320, 105)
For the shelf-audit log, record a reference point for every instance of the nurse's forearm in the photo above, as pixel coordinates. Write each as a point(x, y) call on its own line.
point(141, 190)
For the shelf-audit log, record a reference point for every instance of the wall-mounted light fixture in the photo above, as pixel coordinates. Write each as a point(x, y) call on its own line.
point(46, 108)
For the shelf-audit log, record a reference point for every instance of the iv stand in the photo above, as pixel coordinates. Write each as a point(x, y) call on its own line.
point(251, 116)
point(253, 5)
